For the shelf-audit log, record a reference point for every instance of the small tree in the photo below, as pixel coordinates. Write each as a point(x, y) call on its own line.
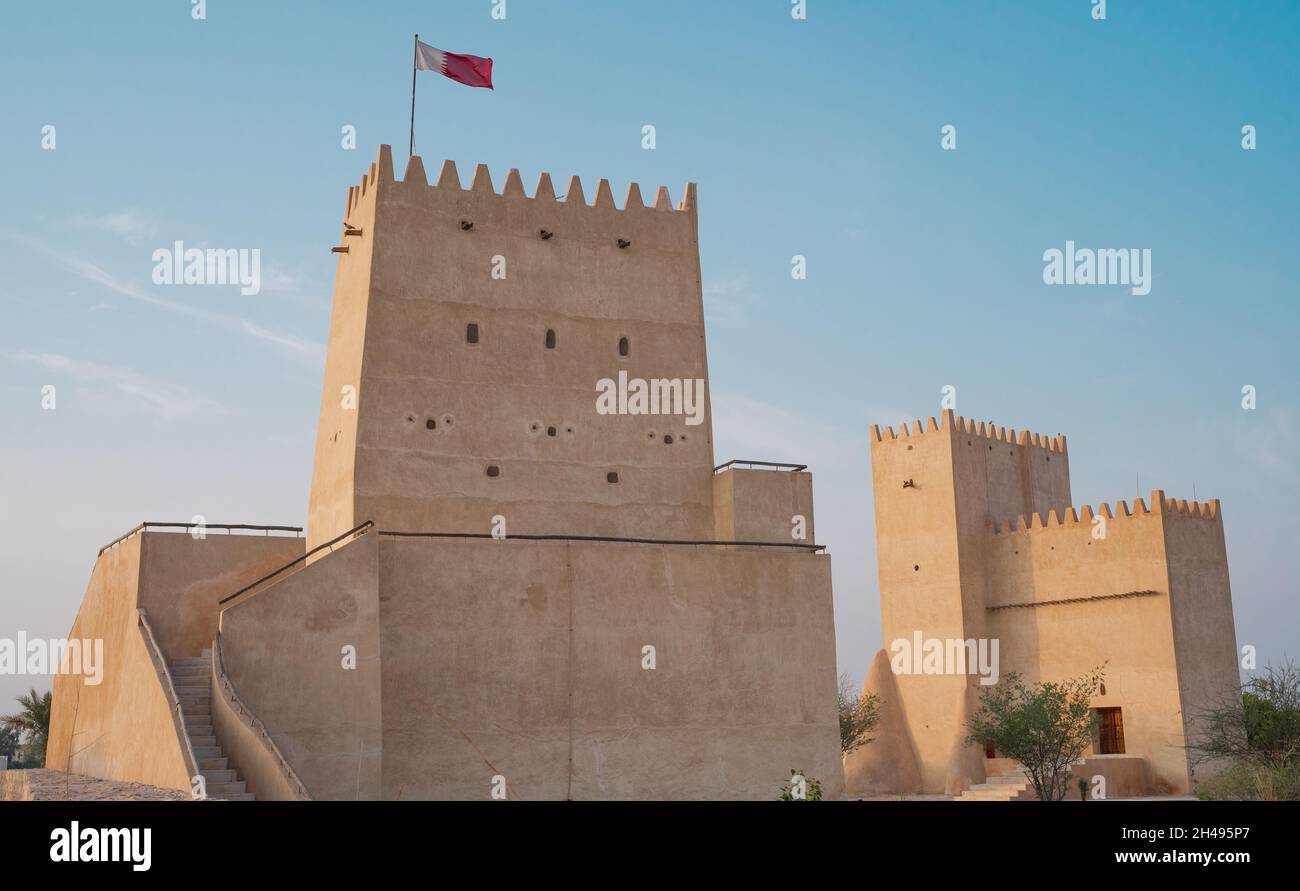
point(1253, 736)
point(33, 723)
point(1045, 727)
point(859, 716)
point(800, 788)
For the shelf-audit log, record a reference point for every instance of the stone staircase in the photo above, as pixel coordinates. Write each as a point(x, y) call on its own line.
point(1011, 785)
point(191, 677)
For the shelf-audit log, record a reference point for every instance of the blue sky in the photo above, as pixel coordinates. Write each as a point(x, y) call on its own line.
point(816, 137)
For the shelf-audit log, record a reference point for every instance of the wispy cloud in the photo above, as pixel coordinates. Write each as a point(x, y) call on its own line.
point(749, 428)
point(164, 398)
point(132, 225)
point(97, 275)
point(727, 300)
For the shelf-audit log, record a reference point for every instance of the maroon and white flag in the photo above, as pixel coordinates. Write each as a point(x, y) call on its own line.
point(473, 71)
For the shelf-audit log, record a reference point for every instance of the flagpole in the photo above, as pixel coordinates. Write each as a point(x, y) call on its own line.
point(415, 56)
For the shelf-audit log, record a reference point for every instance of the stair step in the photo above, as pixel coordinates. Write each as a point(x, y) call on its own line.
point(215, 763)
point(1009, 788)
point(222, 789)
point(245, 796)
point(224, 775)
point(204, 742)
point(984, 796)
point(202, 752)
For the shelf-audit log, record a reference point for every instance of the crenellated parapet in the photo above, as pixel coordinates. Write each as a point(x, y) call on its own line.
point(448, 184)
point(950, 422)
point(1157, 504)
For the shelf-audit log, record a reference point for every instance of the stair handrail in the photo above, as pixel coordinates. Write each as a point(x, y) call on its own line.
point(253, 722)
point(359, 530)
point(174, 701)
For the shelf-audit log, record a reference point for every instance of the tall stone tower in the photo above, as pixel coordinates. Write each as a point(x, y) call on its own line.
point(470, 331)
point(978, 545)
point(937, 488)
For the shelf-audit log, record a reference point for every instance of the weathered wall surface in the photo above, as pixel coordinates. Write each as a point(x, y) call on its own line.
point(283, 651)
point(760, 505)
point(331, 506)
point(121, 728)
point(1205, 637)
point(921, 582)
point(985, 523)
point(182, 578)
point(1132, 636)
point(436, 411)
point(482, 676)
point(888, 762)
point(242, 737)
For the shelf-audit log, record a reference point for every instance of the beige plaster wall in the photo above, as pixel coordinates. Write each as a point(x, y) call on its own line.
point(182, 578)
point(1125, 776)
point(760, 505)
point(121, 728)
point(493, 402)
point(510, 657)
point(283, 651)
point(331, 505)
point(888, 762)
point(986, 522)
point(241, 736)
point(1132, 636)
point(917, 550)
point(1205, 637)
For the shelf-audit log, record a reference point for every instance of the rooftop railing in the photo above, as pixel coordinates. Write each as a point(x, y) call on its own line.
point(229, 527)
point(775, 465)
point(524, 536)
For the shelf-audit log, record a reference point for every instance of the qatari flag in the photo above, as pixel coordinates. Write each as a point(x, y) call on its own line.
point(473, 71)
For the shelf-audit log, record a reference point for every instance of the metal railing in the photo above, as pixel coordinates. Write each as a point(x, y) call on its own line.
point(518, 536)
point(169, 691)
point(245, 715)
point(777, 465)
point(359, 530)
point(229, 527)
point(612, 538)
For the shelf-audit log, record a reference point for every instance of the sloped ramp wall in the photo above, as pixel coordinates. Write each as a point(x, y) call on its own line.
point(122, 727)
point(247, 742)
point(286, 651)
